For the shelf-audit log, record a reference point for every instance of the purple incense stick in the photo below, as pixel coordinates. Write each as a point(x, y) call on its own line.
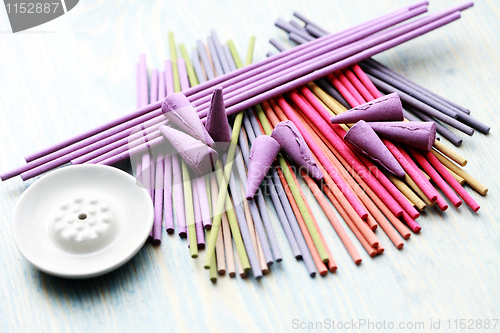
point(415, 103)
point(200, 235)
point(204, 59)
point(156, 106)
point(179, 195)
point(215, 58)
point(278, 186)
point(322, 50)
point(220, 53)
point(159, 157)
point(197, 66)
point(290, 28)
point(274, 197)
point(303, 76)
point(425, 91)
point(310, 68)
point(459, 115)
point(167, 195)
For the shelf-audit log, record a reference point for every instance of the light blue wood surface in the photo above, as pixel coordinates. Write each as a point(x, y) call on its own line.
point(78, 71)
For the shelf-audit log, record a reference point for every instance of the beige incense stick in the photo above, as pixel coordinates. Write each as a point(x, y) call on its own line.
point(474, 183)
point(414, 199)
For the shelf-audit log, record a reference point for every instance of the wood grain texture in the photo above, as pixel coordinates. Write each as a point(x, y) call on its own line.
point(78, 71)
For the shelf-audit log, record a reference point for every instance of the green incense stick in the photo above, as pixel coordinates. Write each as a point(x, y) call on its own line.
point(295, 192)
point(233, 222)
point(213, 268)
point(193, 80)
point(188, 203)
point(173, 58)
point(188, 194)
point(219, 208)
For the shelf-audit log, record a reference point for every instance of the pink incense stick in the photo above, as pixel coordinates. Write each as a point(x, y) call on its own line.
point(358, 85)
point(321, 53)
point(370, 171)
point(156, 106)
point(342, 90)
point(291, 53)
point(455, 200)
point(339, 181)
point(348, 85)
point(326, 129)
point(302, 76)
point(429, 190)
point(366, 81)
point(414, 226)
point(451, 181)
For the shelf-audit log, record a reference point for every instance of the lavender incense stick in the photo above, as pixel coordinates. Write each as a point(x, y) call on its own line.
point(155, 106)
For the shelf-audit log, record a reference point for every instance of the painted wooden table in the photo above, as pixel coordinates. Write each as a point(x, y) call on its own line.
point(79, 71)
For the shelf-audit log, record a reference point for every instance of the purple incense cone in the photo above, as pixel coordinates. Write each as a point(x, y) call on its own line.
point(183, 115)
point(262, 154)
point(385, 108)
point(420, 135)
point(294, 145)
point(195, 153)
point(217, 124)
point(362, 137)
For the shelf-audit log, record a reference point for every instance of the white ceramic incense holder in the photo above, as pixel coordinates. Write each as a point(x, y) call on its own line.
point(82, 221)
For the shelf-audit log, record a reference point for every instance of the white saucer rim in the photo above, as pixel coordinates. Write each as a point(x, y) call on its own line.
point(133, 250)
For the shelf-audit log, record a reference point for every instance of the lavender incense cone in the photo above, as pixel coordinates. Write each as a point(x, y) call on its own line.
point(262, 154)
point(363, 138)
point(217, 124)
point(385, 108)
point(180, 112)
point(420, 135)
point(195, 153)
point(294, 145)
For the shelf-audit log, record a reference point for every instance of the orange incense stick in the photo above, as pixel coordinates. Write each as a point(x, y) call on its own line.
point(370, 250)
point(362, 226)
point(310, 244)
point(375, 212)
point(332, 266)
point(332, 218)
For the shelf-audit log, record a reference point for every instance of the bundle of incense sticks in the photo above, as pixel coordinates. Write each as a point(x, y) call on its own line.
point(422, 103)
point(212, 211)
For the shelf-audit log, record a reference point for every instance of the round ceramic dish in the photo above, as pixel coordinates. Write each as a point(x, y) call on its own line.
point(82, 221)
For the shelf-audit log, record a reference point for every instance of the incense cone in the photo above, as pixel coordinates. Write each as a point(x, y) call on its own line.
point(294, 145)
point(420, 135)
point(217, 124)
point(180, 112)
point(385, 108)
point(363, 137)
point(264, 151)
point(198, 156)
